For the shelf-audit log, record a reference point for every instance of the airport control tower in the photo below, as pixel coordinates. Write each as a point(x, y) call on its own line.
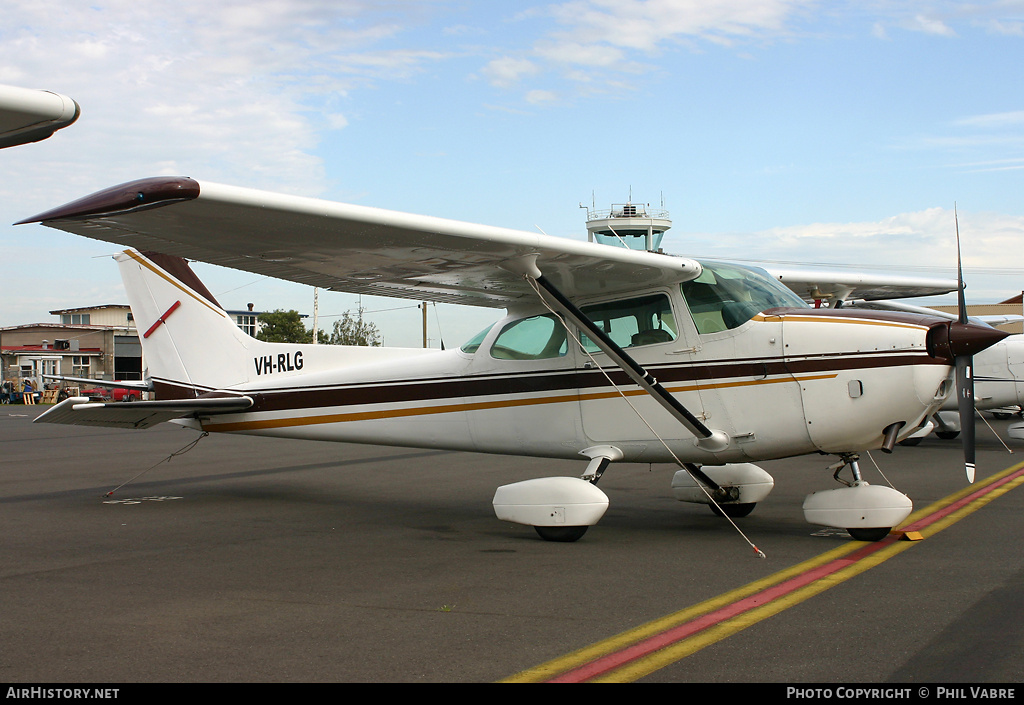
point(632, 225)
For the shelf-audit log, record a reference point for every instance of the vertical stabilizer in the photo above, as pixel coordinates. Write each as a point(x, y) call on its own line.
point(190, 344)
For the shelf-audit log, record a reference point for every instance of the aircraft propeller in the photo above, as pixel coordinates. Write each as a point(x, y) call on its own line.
point(964, 369)
point(965, 339)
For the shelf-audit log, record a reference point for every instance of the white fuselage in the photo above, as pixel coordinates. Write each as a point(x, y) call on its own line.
point(777, 385)
point(766, 375)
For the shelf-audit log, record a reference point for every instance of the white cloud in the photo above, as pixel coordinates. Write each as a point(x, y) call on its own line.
point(538, 97)
point(1009, 28)
point(643, 25)
point(508, 70)
point(577, 53)
point(592, 40)
point(337, 121)
point(224, 89)
point(994, 120)
point(929, 25)
point(919, 242)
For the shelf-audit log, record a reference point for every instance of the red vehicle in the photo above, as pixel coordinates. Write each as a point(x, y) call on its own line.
point(119, 394)
point(112, 394)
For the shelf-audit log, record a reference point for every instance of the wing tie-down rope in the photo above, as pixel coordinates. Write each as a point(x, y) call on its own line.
point(181, 451)
point(533, 284)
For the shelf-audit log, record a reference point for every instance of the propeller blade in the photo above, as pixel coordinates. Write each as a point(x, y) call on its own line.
point(965, 405)
point(964, 369)
point(960, 299)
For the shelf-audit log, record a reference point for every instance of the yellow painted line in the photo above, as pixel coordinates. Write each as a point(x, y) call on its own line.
point(927, 522)
point(548, 670)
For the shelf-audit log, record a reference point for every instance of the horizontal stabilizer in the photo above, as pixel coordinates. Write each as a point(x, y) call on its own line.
point(106, 384)
point(79, 411)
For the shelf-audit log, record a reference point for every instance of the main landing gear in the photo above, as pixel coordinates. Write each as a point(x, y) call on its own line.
point(867, 512)
point(731, 490)
point(559, 508)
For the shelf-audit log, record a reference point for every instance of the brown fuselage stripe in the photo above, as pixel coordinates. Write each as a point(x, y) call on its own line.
point(473, 406)
point(433, 389)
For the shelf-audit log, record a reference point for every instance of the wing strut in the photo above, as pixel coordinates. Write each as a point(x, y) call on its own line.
point(707, 439)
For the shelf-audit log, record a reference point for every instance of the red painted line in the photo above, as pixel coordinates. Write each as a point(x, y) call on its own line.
point(644, 648)
point(959, 504)
point(162, 319)
point(683, 631)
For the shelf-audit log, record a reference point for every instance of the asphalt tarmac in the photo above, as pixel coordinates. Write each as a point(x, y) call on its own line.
point(248, 560)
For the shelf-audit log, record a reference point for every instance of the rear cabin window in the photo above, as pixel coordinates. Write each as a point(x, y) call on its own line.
point(632, 322)
point(534, 338)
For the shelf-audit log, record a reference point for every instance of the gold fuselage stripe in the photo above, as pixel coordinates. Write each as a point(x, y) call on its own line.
point(480, 406)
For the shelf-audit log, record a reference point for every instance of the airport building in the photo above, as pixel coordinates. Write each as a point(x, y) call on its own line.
point(92, 342)
point(95, 342)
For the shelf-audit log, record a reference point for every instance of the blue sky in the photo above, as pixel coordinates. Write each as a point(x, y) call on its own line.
point(833, 133)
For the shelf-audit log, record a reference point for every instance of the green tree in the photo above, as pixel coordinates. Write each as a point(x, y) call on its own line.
point(354, 330)
point(283, 327)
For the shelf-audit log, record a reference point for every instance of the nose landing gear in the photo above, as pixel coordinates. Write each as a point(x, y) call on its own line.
point(867, 512)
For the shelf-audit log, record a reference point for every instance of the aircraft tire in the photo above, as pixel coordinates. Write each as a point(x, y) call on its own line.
point(869, 534)
point(911, 441)
point(562, 534)
point(734, 511)
point(947, 435)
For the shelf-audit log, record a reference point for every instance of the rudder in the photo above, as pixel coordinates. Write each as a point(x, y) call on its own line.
point(191, 345)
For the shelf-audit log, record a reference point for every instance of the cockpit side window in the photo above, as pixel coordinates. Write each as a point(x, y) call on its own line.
point(726, 296)
point(534, 338)
point(645, 320)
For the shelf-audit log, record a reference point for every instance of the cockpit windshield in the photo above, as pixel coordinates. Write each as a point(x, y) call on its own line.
point(726, 296)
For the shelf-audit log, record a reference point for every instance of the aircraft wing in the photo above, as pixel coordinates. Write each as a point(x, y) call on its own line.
point(352, 248)
point(79, 411)
point(999, 319)
point(28, 115)
point(817, 284)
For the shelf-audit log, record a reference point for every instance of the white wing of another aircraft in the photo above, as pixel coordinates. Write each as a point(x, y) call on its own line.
point(29, 115)
point(826, 285)
point(990, 319)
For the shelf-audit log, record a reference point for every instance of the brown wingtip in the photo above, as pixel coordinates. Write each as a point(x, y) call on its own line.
point(133, 195)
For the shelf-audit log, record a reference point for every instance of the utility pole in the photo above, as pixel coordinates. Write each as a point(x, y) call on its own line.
point(316, 313)
point(423, 306)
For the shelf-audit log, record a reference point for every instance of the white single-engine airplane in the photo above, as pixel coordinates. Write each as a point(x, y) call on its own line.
point(605, 352)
